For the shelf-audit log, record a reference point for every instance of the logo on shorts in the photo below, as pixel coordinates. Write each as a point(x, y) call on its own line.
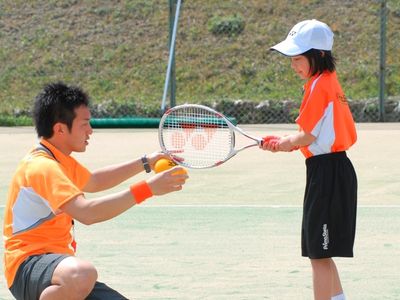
point(325, 236)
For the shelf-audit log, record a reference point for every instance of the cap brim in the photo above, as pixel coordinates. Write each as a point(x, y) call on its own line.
point(288, 48)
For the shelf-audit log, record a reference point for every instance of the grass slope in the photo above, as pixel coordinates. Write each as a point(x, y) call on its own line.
point(117, 50)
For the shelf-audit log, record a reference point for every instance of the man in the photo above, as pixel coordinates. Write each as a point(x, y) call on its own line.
point(46, 195)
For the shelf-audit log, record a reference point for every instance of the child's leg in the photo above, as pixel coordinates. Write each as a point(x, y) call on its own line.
point(326, 280)
point(336, 284)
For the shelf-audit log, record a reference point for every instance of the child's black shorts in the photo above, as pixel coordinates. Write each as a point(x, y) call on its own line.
point(330, 207)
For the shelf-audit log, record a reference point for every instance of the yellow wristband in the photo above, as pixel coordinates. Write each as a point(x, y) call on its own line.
point(140, 191)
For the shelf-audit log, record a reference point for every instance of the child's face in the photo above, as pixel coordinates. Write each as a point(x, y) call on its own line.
point(301, 66)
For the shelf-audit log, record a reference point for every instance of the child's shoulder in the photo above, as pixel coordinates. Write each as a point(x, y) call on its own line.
point(328, 81)
point(328, 76)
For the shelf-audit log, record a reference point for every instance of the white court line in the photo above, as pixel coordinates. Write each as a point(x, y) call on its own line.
point(244, 206)
point(252, 206)
point(222, 206)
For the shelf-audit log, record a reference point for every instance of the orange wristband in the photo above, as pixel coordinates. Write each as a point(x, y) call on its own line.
point(140, 191)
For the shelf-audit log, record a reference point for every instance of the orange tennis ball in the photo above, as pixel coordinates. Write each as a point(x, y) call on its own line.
point(165, 164)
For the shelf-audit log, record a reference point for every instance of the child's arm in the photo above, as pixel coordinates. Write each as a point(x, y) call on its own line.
point(289, 142)
point(294, 141)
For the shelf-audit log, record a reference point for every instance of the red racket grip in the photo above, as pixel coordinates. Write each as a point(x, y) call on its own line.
point(268, 138)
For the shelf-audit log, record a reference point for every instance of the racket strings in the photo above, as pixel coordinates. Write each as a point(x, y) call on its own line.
point(199, 137)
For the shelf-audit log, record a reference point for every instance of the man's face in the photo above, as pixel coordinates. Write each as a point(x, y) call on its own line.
point(77, 138)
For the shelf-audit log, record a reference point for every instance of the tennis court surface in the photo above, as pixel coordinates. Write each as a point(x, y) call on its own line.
point(234, 231)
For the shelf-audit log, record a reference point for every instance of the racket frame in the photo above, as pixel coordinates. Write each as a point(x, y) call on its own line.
point(232, 128)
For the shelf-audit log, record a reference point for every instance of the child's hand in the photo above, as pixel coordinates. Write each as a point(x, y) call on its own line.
point(275, 143)
point(284, 144)
point(270, 143)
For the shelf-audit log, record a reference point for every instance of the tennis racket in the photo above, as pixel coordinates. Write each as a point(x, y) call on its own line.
point(198, 137)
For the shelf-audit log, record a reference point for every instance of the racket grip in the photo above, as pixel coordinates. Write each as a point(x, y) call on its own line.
point(268, 138)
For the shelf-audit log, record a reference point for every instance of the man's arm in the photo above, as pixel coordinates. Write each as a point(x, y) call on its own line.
point(90, 211)
point(108, 177)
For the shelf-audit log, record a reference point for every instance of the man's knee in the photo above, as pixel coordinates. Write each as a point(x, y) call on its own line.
point(77, 276)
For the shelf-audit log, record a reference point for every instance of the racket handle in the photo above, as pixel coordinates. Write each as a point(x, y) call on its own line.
point(268, 138)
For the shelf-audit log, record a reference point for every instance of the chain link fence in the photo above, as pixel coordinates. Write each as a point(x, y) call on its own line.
point(222, 58)
point(255, 86)
point(118, 52)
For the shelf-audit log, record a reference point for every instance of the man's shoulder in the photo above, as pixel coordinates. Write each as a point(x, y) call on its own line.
point(39, 161)
point(40, 156)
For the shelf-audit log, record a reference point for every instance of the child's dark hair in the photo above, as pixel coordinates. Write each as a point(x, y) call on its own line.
point(57, 103)
point(320, 61)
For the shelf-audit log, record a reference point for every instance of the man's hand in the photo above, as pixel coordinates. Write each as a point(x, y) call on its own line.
point(168, 181)
point(155, 156)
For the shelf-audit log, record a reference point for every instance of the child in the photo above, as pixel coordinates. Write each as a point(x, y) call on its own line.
point(326, 131)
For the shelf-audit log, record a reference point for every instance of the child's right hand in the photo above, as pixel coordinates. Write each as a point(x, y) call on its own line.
point(270, 143)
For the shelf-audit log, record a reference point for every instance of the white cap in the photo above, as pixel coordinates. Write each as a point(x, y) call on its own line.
point(306, 35)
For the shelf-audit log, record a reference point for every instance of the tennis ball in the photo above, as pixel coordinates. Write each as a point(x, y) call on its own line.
point(165, 164)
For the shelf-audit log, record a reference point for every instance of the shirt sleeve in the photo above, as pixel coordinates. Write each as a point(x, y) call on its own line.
point(313, 110)
point(80, 175)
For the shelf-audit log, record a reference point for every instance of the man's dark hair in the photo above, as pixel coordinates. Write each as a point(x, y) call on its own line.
point(320, 61)
point(57, 103)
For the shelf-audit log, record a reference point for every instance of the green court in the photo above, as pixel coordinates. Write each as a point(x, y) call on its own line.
point(233, 232)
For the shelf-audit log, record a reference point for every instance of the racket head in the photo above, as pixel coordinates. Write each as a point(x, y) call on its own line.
point(196, 136)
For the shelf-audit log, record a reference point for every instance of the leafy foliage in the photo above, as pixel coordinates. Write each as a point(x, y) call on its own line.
point(230, 25)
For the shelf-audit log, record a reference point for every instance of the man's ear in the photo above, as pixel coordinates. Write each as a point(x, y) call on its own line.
point(59, 128)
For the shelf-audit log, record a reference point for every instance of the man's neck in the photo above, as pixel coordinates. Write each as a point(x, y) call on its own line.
point(60, 145)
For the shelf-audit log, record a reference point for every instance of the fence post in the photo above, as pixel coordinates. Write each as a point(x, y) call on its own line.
point(172, 83)
point(382, 62)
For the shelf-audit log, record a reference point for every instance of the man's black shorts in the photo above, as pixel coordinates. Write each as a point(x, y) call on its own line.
point(330, 207)
point(35, 273)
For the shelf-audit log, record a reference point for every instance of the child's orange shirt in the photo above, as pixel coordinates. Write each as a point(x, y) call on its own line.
point(33, 221)
point(325, 113)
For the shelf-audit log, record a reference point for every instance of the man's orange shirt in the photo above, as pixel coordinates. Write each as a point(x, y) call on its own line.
point(33, 222)
point(325, 113)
